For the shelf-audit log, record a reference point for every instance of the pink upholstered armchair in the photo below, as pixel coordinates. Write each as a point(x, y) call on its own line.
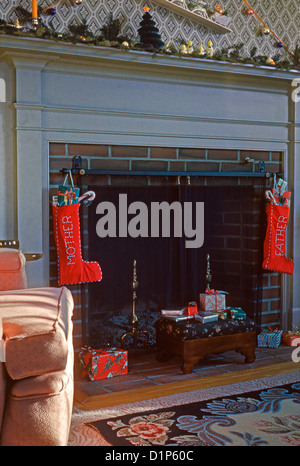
point(36, 373)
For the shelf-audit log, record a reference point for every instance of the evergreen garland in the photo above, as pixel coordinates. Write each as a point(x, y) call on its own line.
point(150, 40)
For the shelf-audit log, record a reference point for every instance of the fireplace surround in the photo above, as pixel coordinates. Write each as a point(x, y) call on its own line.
point(134, 111)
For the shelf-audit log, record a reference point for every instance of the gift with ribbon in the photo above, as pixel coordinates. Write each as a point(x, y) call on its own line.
point(68, 195)
point(191, 309)
point(213, 300)
point(103, 363)
point(291, 338)
point(236, 313)
point(269, 338)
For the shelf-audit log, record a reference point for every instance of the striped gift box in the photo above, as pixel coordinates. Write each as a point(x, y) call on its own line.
point(269, 338)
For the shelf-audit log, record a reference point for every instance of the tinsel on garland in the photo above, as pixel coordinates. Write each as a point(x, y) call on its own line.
point(110, 37)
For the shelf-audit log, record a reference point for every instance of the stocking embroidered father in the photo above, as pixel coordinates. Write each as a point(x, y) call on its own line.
point(274, 244)
point(71, 268)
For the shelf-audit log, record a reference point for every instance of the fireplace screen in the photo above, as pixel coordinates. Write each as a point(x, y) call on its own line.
point(169, 231)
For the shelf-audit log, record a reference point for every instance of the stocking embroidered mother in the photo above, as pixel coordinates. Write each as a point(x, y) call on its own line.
point(71, 267)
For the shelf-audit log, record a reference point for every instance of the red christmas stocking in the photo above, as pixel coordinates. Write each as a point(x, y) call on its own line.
point(274, 244)
point(70, 266)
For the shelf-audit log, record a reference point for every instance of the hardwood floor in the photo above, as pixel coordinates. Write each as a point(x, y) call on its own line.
point(148, 378)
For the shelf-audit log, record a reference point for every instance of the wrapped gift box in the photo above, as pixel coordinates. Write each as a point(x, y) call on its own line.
point(290, 339)
point(236, 313)
point(269, 339)
point(192, 309)
point(212, 301)
point(68, 195)
point(222, 315)
point(103, 363)
point(207, 316)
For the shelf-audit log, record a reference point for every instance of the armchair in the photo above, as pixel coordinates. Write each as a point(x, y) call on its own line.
point(36, 372)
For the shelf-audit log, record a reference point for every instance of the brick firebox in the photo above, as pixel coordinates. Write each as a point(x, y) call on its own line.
point(125, 158)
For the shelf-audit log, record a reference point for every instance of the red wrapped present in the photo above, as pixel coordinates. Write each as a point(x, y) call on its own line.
point(103, 363)
point(192, 309)
point(213, 300)
point(291, 338)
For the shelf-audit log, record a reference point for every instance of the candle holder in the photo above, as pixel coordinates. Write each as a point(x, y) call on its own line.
point(208, 274)
point(134, 333)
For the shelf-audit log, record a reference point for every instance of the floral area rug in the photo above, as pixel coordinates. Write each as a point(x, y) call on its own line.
point(267, 416)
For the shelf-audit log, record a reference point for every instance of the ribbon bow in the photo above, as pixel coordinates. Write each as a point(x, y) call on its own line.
point(70, 194)
point(209, 291)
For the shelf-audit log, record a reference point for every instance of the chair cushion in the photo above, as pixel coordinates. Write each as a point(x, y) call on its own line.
point(12, 269)
point(36, 325)
point(194, 330)
point(51, 383)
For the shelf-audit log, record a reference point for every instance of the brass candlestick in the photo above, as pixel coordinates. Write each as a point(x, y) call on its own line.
point(208, 274)
point(134, 332)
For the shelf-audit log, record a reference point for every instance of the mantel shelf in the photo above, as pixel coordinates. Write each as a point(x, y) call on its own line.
point(200, 19)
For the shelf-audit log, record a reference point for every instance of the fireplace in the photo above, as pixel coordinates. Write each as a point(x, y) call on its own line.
point(172, 258)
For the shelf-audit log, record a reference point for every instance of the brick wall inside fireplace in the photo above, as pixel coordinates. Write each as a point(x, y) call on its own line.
point(170, 159)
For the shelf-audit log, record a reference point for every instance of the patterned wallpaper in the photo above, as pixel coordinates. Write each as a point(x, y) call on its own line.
point(282, 17)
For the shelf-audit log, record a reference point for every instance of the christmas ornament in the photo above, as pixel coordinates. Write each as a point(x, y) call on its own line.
point(279, 45)
point(167, 49)
point(209, 49)
point(51, 11)
point(266, 29)
point(249, 11)
point(183, 49)
point(17, 24)
point(190, 47)
point(148, 32)
point(269, 60)
point(218, 9)
point(201, 50)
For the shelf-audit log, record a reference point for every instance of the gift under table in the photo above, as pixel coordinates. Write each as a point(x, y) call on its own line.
point(192, 340)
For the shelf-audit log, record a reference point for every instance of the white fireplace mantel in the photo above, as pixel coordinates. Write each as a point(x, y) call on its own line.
point(61, 92)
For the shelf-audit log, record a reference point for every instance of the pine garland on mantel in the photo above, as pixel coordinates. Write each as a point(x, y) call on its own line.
point(110, 37)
